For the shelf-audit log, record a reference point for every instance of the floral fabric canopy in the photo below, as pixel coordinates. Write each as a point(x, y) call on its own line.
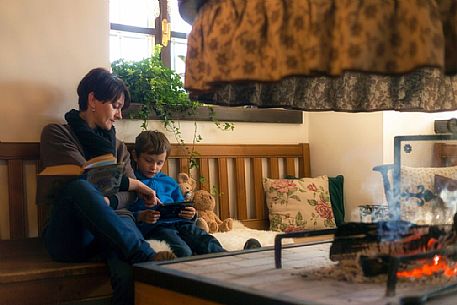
point(341, 55)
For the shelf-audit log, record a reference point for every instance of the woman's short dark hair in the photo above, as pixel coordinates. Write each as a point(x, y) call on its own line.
point(106, 86)
point(152, 142)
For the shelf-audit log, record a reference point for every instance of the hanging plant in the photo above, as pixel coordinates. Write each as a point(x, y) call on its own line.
point(160, 91)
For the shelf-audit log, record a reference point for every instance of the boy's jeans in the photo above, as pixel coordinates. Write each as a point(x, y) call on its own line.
point(184, 237)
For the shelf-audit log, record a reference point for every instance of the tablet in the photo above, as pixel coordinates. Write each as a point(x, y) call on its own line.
point(172, 210)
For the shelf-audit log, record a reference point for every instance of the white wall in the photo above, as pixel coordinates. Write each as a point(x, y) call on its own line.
point(244, 133)
point(349, 144)
point(406, 124)
point(46, 48)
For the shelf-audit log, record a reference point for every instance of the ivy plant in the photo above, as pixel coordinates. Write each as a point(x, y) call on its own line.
point(160, 90)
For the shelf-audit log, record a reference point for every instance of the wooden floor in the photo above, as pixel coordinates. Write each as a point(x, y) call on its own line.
point(251, 278)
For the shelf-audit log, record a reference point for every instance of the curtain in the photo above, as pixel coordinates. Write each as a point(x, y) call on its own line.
point(342, 55)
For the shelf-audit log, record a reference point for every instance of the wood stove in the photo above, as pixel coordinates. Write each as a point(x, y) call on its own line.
point(398, 248)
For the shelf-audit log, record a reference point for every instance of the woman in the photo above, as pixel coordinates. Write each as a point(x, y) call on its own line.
point(85, 225)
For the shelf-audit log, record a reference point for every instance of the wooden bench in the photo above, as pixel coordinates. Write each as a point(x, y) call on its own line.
point(29, 277)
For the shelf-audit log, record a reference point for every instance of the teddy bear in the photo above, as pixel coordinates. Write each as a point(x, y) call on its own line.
point(187, 185)
point(205, 203)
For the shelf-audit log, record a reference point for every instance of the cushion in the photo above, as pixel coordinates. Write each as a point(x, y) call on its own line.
point(336, 185)
point(336, 189)
point(299, 204)
point(446, 199)
point(417, 192)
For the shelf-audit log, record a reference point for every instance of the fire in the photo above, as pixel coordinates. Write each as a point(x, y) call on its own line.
point(439, 265)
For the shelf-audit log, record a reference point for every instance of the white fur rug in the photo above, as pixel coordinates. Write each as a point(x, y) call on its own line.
point(234, 239)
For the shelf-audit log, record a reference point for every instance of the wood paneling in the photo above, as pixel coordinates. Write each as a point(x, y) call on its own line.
point(183, 165)
point(444, 155)
point(290, 167)
point(273, 164)
point(151, 295)
point(259, 194)
point(17, 199)
point(240, 182)
point(204, 180)
point(223, 188)
point(16, 153)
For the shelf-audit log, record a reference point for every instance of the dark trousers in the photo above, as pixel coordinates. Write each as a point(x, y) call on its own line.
point(82, 227)
point(184, 237)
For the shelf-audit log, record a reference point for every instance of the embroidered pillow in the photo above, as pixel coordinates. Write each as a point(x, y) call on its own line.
point(299, 204)
point(417, 191)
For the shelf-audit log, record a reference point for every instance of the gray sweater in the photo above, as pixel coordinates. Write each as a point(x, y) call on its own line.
point(59, 145)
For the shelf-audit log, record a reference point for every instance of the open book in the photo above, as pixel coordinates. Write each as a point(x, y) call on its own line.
point(103, 172)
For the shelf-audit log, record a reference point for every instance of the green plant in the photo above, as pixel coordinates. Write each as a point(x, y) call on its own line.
point(160, 90)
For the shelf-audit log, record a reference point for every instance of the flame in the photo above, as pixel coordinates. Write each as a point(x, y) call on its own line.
point(439, 264)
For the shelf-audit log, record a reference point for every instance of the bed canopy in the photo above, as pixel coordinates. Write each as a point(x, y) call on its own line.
point(312, 55)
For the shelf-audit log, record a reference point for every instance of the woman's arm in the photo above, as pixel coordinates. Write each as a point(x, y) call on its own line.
point(59, 146)
point(144, 191)
point(123, 198)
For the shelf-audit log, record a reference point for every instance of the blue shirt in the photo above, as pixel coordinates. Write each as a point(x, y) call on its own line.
point(167, 190)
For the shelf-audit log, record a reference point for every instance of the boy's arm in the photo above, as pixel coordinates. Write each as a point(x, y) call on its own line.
point(176, 194)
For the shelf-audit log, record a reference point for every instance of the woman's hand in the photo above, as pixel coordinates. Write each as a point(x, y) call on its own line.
point(144, 191)
point(148, 216)
point(188, 212)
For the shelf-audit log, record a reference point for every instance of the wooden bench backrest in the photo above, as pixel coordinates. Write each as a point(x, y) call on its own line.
point(444, 154)
point(234, 171)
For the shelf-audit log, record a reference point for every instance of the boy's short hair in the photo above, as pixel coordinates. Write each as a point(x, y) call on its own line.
point(152, 142)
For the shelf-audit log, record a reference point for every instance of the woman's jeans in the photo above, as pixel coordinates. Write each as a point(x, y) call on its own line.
point(83, 227)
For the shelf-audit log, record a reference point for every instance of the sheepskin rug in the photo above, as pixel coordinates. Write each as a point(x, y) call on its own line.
point(232, 240)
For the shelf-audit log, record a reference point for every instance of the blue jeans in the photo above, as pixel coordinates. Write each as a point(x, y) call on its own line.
point(184, 237)
point(82, 227)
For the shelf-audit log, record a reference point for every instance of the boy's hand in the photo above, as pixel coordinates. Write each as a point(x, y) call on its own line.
point(188, 212)
point(148, 216)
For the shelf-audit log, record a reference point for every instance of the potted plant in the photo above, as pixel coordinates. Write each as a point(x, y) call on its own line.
point(160, 92)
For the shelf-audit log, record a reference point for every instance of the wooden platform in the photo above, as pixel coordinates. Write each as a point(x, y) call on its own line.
point(251, 278)
point(26, 267)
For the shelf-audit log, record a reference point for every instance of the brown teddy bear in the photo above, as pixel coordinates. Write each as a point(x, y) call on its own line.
point(187, 185)
point(205, 203)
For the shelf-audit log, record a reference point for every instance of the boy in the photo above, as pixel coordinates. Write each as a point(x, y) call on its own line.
point(184, 237)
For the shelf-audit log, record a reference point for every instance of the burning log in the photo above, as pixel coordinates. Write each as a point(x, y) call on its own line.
point(387, 238)
point(396, 248)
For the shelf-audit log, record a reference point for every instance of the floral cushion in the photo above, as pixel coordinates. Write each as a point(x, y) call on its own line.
point(299, 204)
point(418, 196)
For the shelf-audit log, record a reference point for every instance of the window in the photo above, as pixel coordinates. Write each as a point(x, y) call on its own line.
point(136, 26)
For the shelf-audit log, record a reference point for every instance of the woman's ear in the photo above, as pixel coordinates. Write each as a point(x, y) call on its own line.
point(134, 155)
point(91, 101)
